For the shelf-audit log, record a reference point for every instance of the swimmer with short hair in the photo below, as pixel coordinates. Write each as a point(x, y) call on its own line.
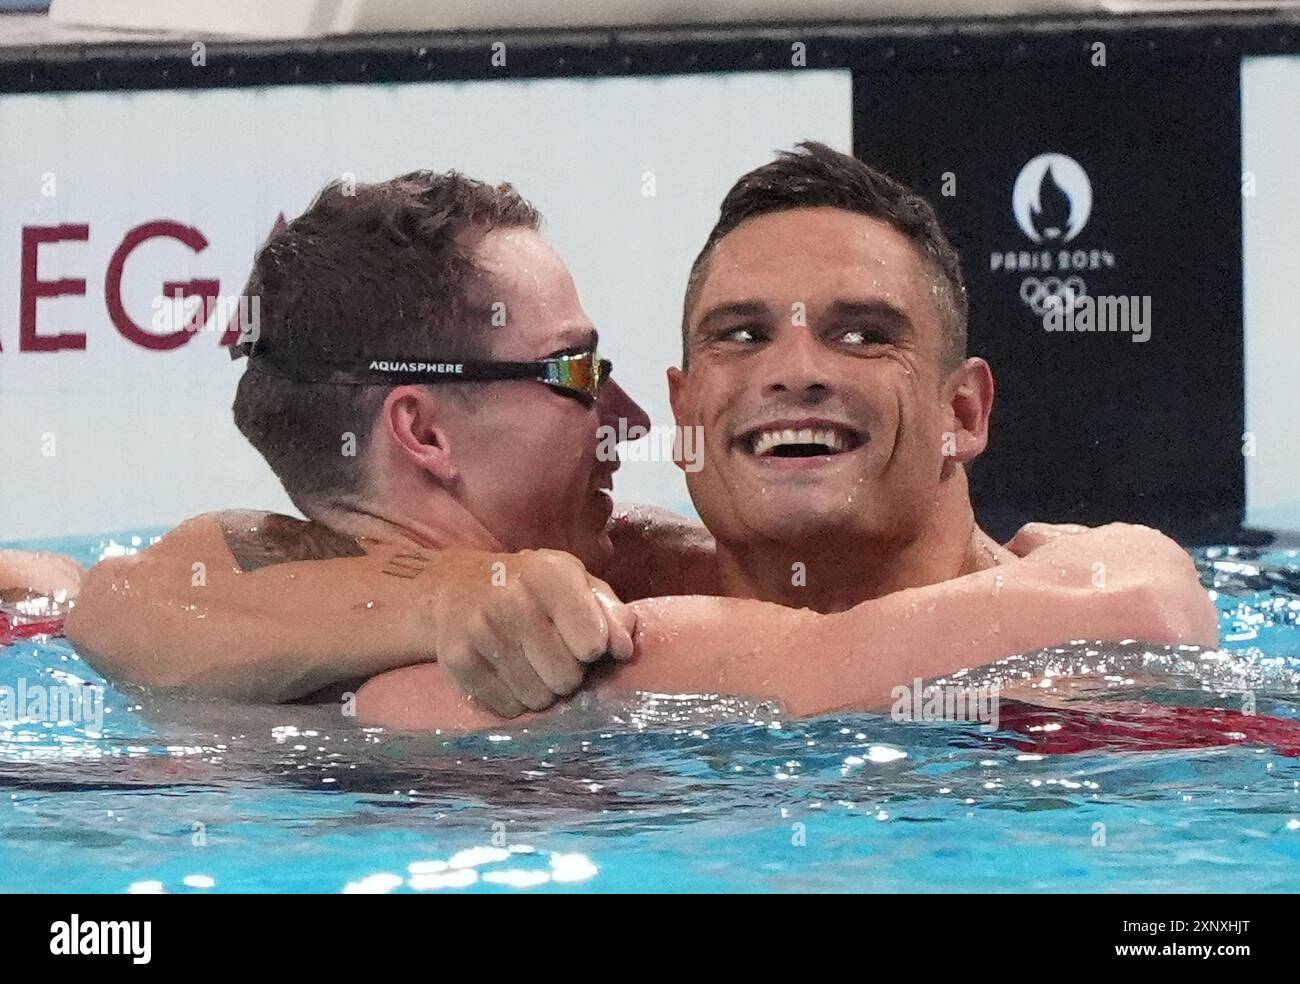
point(452, 561)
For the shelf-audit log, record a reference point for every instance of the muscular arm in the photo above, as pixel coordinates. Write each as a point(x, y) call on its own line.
point(258, 607)
point(39, 573)
point(821, 663)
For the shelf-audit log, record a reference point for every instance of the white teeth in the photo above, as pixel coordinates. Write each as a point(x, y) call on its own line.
point(765, 441)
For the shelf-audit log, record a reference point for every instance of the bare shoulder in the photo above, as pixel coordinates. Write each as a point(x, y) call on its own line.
point(658, 552)
point(1138, 543)
point(1113, 538)
point(263, 539)
point(633, 521)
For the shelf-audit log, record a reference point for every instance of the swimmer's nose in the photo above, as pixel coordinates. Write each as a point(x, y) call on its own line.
point(614, 403)
point(795, 366)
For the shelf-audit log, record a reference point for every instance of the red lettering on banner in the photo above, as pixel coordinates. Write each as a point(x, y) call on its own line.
point(206, 289)
point(234, 328)
point(159, 229)
point(33, 289)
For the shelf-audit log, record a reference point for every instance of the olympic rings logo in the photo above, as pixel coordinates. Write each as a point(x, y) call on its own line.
point(1052, 293)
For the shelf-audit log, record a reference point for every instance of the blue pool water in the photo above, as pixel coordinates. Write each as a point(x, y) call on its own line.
point(183, 795)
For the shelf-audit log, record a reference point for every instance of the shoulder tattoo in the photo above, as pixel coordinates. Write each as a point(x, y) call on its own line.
point(260, 540)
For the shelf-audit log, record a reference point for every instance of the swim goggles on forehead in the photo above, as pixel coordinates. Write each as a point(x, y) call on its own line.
point(580, 375)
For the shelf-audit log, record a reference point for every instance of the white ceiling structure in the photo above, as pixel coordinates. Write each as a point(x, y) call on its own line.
point(318, 18)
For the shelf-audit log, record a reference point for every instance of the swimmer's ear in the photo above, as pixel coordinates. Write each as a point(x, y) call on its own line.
point(677, 382)
point(970, 395)
point(411, 421)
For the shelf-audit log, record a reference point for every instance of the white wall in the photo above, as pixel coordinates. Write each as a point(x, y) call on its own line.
point(142, 438)
point(1271, 219)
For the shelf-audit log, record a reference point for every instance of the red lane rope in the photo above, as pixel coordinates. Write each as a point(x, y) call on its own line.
point(28, 628)
point(1137, 727)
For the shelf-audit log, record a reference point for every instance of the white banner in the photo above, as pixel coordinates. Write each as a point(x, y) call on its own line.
point(1270, 127)
point(108, 421)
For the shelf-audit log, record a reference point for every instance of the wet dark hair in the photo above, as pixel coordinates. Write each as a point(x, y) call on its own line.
point(812, 176)
point(369, 269)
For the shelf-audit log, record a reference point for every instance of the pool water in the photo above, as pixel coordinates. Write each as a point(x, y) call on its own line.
point(183, 795)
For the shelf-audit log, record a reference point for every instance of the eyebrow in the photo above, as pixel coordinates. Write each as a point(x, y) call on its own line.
point(883, 310)
point(744, 309)
point(894, 316)
point(578, 340)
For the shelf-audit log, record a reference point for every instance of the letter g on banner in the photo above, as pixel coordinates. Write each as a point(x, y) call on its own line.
point(126, 326)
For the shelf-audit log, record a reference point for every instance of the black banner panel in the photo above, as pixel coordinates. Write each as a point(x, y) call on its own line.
point(1098, 213)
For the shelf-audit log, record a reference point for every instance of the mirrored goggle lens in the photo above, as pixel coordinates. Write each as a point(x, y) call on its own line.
point(580, 373)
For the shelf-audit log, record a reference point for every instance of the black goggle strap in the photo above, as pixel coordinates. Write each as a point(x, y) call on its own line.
point(581, 374)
